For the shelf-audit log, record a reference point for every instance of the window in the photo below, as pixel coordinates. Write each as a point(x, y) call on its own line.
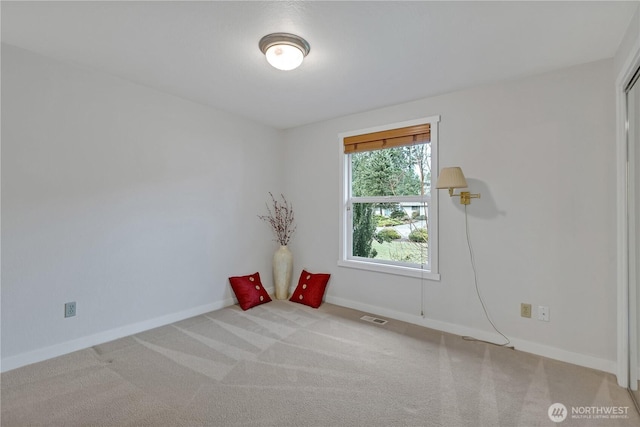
point(388, 213)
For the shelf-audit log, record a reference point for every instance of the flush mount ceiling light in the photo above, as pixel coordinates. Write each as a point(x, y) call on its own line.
point(284, 51)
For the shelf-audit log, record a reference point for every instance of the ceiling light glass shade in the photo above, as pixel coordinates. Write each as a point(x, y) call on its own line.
point(451, 178)
point(284, 57)
point(284, 51)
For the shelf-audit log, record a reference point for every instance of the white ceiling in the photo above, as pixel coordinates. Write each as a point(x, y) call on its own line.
point(364, 55)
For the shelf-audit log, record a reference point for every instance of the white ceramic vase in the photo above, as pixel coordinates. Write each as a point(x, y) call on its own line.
point(282, 269)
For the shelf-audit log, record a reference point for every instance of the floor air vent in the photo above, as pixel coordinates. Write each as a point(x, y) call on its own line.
point(373, 320)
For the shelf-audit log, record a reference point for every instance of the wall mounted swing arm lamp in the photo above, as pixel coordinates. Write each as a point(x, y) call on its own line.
point(453, 178)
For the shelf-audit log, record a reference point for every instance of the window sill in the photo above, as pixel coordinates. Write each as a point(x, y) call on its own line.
point(390, 269)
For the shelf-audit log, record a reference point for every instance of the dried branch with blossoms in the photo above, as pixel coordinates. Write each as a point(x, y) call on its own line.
point(280, 219)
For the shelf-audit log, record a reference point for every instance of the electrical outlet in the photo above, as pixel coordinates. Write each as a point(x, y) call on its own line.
point(525, 310)
point(543, 313)
point(70, 309)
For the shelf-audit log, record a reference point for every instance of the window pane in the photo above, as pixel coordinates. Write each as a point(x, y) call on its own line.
point(391, 232)
point(399, 171)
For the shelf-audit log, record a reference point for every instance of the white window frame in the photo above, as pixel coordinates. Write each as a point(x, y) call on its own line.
point(345, 252)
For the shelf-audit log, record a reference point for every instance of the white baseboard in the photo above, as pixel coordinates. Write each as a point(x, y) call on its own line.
point(521, 345)
point(56, 350)
point(39, 355)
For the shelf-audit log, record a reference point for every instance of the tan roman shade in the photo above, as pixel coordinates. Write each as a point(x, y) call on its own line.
point(388, 138)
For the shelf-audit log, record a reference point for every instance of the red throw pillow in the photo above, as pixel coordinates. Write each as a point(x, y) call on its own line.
point(310, 289)
point(249, 290)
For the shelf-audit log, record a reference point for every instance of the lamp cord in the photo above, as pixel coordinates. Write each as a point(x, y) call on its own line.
point(475, 279)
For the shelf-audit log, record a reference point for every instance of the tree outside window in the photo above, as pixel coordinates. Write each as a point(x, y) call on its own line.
point(393, 230)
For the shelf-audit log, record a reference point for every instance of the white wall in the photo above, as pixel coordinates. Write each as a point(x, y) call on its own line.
point(139, 205)
point(133, 203)
point(626, 62)
point(629, 45)
point(541, 150)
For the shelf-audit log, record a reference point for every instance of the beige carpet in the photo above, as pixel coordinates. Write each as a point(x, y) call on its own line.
point(285, 364)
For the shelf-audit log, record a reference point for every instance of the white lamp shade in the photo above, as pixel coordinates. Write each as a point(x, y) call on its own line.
point(451, 178)
point(284, 56)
